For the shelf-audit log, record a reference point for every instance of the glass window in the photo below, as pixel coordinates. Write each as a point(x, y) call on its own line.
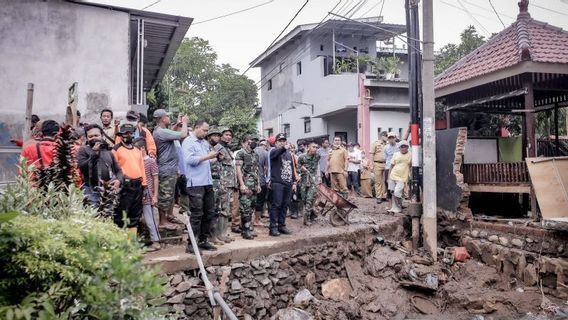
point(307, 126)
point(269, 84)
point(299, 68)
point(287, 130)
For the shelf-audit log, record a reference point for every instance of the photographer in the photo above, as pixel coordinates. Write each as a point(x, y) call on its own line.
point(97, 165)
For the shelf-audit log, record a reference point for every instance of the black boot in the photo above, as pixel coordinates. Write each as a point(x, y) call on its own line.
point(247, 234)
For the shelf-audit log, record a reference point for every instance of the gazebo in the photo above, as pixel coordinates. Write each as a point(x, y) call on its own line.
point(522, 70)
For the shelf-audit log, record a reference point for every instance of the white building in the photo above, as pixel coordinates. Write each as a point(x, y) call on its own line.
point(304, 96)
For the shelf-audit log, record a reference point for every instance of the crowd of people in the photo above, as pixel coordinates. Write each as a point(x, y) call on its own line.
point(222, 188)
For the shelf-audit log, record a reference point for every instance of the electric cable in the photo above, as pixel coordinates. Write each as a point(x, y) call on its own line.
point(473, 18)
point(373, 7)
point(281, 32)
point(233, 13)
point(301, 52)
point(496, 13)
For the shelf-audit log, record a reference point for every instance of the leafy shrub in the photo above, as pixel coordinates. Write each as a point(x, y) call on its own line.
point(60, 262)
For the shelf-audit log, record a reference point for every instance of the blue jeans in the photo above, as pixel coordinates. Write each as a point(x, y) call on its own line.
point(353, 180)
point(92, 196)
point(281, 196)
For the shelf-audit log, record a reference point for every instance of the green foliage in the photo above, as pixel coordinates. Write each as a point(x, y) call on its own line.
point(390, 64)
point(242, 119)
point(451, 53)
point(197, 86)
point(60, 262)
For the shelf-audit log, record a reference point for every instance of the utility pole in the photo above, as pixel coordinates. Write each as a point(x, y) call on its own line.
point(429, 219)
point(414, 88)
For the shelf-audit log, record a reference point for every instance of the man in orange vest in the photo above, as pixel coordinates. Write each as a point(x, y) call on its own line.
point(40, 154)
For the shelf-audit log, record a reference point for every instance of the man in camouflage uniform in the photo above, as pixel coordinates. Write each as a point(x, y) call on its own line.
point(213, 137)
point(227, 185)
point(309, 170)
point(246, 161)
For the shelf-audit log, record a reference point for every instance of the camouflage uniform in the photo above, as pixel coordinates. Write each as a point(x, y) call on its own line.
point(309, 183)
point(248, 161)
point(226, 187)
point(216, 169)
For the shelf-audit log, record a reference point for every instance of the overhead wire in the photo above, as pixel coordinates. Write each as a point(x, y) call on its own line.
point(281, 32)
point(269, 73)
point(233, 13)
point(496, 13)
point(488, 10)
point(373, 7)
point(473, 18)
point(151, 4)
point(301, 52)
point(382, 6)
point(548, 9)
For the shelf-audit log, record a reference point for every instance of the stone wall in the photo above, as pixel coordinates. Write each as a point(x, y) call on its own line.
point(259, 288)
point(507, 255)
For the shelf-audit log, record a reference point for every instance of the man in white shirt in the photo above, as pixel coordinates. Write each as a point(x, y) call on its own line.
point(353, 168)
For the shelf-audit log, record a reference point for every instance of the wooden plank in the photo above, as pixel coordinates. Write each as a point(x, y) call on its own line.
point(549, 178)
point(496, 188)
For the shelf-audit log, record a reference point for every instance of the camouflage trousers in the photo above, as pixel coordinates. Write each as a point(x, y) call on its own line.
point(308, 197)
point(222, 208)
point(247, 208)
point(166, 191)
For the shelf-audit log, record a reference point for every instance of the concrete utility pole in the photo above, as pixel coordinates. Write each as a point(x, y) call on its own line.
point(429, 220)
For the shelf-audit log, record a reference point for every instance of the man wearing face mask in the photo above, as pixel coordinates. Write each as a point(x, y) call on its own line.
point(131, 161)
point(97, 165)
point(213, 137)
point(246, 161)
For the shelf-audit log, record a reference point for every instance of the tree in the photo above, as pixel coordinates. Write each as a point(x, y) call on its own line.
point(451, 53)
point(197, 86)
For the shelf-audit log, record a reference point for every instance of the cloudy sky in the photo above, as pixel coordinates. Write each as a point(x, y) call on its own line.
point(239, 38)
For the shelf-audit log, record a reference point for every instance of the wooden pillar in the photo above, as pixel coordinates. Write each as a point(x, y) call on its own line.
point(448, 119)
point(556, 139)
point(529, 133)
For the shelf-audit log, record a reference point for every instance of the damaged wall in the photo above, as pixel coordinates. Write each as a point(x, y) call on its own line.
point(54, 44)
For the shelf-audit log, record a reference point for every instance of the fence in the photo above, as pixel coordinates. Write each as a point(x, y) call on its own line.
point(496, 173)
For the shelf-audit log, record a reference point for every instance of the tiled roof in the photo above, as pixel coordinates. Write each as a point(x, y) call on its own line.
point(524, 40)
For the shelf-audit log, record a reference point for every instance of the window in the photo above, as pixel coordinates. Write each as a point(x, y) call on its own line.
point(390, 130)
point(287, 130)
point(321, 47)
point(400, 133)
point(269, 132)
point(299, 68)
point(379, 130)
point(269, 84)
point(307, 125)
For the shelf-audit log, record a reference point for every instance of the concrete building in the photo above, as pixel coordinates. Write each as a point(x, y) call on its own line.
point(311, 87)
point(114, 55)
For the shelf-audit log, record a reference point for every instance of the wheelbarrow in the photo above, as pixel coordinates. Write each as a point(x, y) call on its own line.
point(338, 207)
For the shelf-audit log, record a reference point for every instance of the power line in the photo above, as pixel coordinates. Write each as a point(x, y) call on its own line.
point(382, 6)
point(474, 18)
point(373, 7)
point(151, 4)
point(548, 9)
point(488, 10)
point(281, 32)
point(235, 12)
point(497, 14)
point(469, 13)
point(269, 73)
point(301, 52)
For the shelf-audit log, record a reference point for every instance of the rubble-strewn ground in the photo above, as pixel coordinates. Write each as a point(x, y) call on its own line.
point(383, 283)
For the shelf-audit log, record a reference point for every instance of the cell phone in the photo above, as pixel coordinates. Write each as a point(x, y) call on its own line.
point(218, 147)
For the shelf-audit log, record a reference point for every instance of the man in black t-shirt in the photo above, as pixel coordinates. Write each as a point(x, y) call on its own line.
point(283, 182)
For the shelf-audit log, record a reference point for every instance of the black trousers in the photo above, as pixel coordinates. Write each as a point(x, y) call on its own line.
point(202, 208)
point(281, 196)
point(131, 196)
point(325, 179)
point(261, 198)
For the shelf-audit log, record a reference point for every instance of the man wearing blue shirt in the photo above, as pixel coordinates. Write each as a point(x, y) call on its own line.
point(197, 159)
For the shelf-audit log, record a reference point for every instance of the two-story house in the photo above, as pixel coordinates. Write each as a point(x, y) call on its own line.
point(333, 79)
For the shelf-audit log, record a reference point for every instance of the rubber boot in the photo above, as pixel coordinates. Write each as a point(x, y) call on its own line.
point(221, 230)
point(132, 232)
point(246, 228)
point(396, 205)
point(307, 217)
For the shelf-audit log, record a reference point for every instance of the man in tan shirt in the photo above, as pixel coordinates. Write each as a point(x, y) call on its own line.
point(337, 167)
point(378, 155)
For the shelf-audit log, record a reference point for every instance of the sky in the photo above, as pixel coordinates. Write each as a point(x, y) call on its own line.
point(240, 38)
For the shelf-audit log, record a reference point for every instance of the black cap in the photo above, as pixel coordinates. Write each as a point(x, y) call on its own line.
point(132, 116)
point(280, 136)
point(49, 128)
point(127, 127)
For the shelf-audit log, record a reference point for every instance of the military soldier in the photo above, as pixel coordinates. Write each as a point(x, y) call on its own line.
point(246, 161)
point(213, 137)
point(227, 186)
point(309, 170)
